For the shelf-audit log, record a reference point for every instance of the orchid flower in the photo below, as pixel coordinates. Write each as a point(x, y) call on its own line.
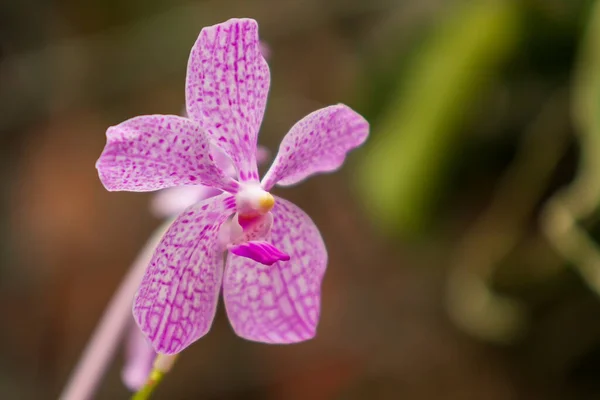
point(276, 256)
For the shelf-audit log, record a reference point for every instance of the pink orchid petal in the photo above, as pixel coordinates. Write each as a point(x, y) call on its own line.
point(279, 303)
point(317, 143)
point(177, 299)
point(223, 161)
point(172, 201)
point(139, 357)
point(265, 50)
point(226, 89)
point(262, 155)
point(153, 152)
point(259, 251)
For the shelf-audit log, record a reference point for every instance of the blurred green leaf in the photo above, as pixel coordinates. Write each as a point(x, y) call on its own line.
point(420, 131)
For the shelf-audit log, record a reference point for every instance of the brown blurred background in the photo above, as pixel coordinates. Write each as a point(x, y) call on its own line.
point(462, 238)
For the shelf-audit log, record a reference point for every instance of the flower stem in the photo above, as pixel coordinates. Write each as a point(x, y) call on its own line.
point(146, 390)
point(162, 365)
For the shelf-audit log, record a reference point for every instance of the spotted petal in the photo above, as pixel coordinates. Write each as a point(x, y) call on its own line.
point(153, 152)
point(317, 143)
point(279, 303)
point(226, 89)
point(177, 299)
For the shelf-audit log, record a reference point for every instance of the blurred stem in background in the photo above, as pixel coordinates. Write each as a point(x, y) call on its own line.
point(100, 351)
point(566, 210)
point(404, 169)
point(471, 302)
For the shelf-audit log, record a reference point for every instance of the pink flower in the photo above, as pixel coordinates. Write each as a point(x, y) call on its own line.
point(272, 277)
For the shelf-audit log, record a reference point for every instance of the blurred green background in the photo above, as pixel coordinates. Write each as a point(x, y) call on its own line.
point(464, 261)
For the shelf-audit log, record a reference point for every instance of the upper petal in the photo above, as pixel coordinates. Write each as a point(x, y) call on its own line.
point(177, 299)
point(226, 89)
point(317, 143)
point(279, 303)
point(153, 152)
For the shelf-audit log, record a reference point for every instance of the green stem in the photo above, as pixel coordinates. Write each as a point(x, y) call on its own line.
point(144, 393)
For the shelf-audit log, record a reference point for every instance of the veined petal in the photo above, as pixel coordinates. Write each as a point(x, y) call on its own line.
point(317, 143)
point(177, 299)
point(139, 357)
point(279, 303)
point(226, 89)
point(153, 152)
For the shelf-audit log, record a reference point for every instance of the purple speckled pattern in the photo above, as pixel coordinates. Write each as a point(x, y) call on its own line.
point(177, 299)
point(153, 152)
point(317, 143)
point(279, 303)
point(226, 89)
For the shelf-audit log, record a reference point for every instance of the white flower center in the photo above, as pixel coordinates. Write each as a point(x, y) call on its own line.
point(253, 201)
